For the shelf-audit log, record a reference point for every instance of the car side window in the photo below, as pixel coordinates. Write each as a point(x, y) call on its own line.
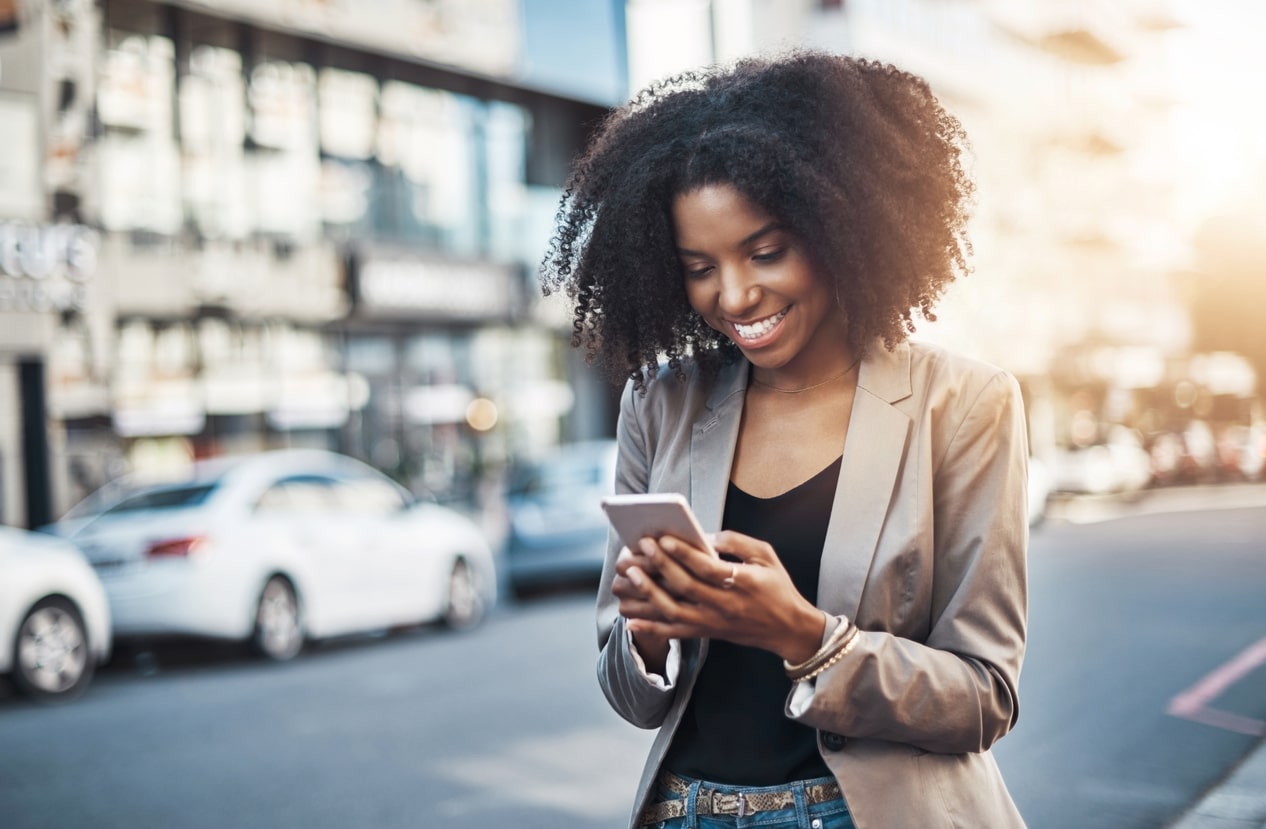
point(367, 496)
point(298, 494)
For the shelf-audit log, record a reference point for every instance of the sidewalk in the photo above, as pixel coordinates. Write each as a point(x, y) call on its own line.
point(1239, 801)
point(1084, 509)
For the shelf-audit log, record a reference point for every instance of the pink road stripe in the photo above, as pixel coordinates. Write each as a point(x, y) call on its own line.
point(1193, 704)
point(1228, 721)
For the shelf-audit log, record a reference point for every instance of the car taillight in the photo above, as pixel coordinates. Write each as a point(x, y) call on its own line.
point(179, 547)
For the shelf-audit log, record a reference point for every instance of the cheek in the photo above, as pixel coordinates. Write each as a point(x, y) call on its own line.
point(697, 295)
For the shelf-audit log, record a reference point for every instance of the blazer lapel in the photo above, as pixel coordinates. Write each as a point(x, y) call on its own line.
point(712, 445)
point(873, 453)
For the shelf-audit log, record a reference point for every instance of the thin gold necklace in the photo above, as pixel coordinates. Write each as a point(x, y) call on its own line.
point(852, 366)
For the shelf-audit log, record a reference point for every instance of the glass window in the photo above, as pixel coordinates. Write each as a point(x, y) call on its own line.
point(139, 165)
point(309, 494)
point(165, 498)
point(213, 132)
point(283, 167)
point(368, 496)
point(426, 182)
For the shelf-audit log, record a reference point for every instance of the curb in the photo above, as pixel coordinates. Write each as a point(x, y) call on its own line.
point(1087, 509)
point(1238, 802)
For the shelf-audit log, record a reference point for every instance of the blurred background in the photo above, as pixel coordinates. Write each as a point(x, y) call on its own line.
point(234, 226)
point(229, 227)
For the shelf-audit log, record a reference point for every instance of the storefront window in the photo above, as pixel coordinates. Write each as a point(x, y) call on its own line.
point(427, 189)
point(505, 134)
point(213, 132)
point(139, 162)
point(283, 164)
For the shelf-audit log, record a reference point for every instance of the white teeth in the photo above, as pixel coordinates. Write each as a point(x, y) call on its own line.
point(759, 329)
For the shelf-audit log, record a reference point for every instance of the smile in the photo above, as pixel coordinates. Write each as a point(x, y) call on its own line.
point(756, 330)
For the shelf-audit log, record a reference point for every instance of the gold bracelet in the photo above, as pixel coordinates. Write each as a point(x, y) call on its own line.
point(836, 657)
point(841, 632)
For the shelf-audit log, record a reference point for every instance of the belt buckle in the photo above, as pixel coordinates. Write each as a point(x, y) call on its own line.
point(727, 803)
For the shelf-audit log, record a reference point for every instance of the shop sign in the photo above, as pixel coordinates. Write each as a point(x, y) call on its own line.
point(45, 267)
point(459, 291)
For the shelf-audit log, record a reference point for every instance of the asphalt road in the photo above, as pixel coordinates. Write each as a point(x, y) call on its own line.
point(505, 726)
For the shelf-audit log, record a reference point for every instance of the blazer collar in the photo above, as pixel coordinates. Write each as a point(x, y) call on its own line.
point(873, 453)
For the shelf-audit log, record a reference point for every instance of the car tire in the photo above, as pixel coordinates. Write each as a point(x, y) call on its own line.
point(464, 603)
point(52, 660)
point(278, 622)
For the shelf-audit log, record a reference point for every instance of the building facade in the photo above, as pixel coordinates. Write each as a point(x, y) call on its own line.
point(229, 226)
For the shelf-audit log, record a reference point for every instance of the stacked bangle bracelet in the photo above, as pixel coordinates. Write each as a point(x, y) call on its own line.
point(840, 642)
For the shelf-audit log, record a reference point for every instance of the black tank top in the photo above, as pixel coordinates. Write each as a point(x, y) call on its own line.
point(734, 729)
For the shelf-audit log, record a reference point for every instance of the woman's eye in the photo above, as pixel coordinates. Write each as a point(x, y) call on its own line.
point(769, 255)
point(696, 271)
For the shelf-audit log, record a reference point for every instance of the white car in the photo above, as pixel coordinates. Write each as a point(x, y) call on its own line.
point(279, 547)
point(54, 619)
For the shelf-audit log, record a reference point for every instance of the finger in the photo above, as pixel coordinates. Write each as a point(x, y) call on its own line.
point(746, 549)
point(667, 605)
point(643, 626)
point(630, 559)
point(639, 609)
point(697, 565)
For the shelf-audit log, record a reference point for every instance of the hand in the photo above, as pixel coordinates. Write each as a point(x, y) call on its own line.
point(633, 572)
point(673, 590)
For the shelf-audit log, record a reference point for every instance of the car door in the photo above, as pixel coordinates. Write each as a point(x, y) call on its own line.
point(301, 512)
point(371, 508)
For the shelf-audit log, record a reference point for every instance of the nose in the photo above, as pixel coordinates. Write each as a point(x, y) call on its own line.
point(738, 293)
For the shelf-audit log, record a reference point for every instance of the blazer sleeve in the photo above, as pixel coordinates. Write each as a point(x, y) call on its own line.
point(956, 691)
point(630, 693)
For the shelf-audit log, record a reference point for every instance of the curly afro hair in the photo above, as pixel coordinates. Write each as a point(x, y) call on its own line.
point(856, 157)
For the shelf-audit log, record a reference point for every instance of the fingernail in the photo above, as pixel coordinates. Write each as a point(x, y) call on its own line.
point(669, 545)
point(635, 576)
point(648, 547)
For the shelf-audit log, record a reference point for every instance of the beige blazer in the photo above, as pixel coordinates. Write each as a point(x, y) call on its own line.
point(925, 550)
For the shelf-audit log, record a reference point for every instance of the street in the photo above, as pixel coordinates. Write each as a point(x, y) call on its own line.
point(505, 726)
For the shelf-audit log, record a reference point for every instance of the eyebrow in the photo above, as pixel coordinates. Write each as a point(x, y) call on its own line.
point(746, 240)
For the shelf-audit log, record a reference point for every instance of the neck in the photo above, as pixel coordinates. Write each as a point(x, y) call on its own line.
point(804, 384)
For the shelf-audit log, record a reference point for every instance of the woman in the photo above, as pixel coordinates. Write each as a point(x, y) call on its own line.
point(854, 652)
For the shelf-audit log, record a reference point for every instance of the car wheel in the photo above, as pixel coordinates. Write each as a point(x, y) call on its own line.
point(464, 606)
point(51, 655)
point(278, 626)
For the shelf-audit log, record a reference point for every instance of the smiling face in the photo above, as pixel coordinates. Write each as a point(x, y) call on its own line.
point(750, 278)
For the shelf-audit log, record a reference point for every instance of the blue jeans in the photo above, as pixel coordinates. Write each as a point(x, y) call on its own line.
point(832, 814)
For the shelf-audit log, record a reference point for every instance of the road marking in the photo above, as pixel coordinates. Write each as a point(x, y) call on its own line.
point(1193, 704)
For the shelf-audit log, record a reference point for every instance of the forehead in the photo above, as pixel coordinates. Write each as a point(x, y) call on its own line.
point(716, 215)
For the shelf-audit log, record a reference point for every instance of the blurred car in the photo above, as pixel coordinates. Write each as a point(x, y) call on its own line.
point(1039, 490)
point(54, 618)
point(279, 547)
point(1119, 465)
point(557, 530)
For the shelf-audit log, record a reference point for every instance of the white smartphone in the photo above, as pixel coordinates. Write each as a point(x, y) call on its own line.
point(654, 514)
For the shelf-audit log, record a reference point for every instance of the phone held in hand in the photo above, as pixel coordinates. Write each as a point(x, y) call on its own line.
point(655, 514)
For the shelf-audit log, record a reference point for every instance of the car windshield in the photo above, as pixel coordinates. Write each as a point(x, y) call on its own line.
point(165, 498)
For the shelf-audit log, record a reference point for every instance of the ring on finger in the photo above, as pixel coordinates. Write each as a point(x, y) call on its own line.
point(728, 581)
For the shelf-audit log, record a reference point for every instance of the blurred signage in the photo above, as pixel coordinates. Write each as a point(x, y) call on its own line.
point(477, 35)
point(45, 267)
point(445, 290)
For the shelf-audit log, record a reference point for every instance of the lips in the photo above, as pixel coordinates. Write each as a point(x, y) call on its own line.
point(753, 333)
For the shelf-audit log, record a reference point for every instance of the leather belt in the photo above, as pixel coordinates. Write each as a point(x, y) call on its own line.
point(740, 804)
